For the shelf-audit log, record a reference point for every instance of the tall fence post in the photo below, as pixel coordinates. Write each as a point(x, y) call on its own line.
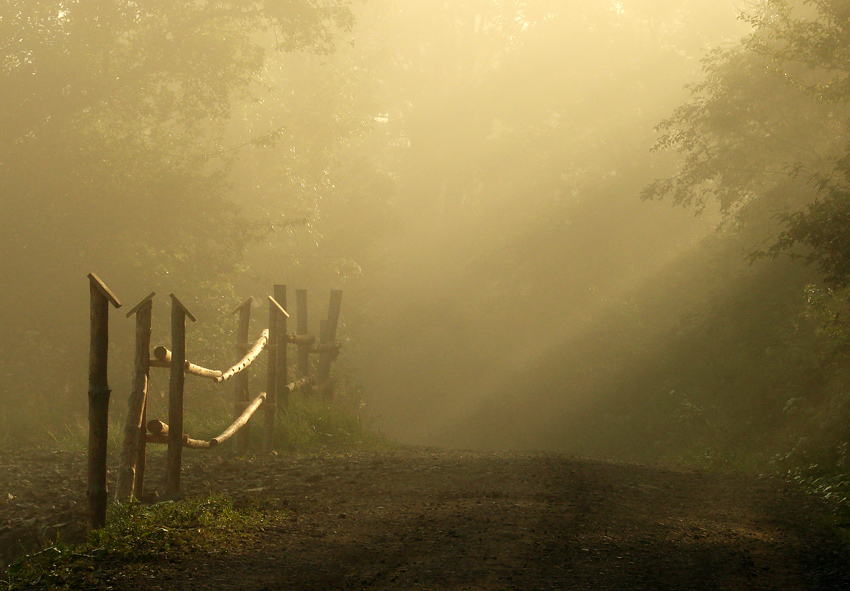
point(100, 297)
point(131, 471)
point(271, 374)
point(301, 328)
point(281, 393)
point(276, 341)
point(327, 335)
point(240, 382)
point(179, 313)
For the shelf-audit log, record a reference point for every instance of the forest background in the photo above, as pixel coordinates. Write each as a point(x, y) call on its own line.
point(490, 183)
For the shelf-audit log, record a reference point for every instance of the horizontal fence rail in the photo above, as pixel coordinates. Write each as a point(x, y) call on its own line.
point(162, 358)
point(246, 361)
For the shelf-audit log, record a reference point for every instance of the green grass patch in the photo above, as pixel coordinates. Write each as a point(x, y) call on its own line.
point(135, 535)
point(311, 424)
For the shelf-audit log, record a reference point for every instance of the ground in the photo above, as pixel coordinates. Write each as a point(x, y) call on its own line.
point(413, 518)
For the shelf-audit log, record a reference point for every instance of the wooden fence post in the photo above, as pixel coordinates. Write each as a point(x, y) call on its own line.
point(276, 340)
point(100, 297)
point(240, 382)
point(281, 392)
point(327, 335)
point(131, 472)
point(301, 328)
point(179, 313)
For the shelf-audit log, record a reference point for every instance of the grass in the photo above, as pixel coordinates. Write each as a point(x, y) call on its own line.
point(135, 535)
point(310, 424)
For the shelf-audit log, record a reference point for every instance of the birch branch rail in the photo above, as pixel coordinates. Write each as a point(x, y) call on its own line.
point(240, 422)
point(159, 430)
point(162, 358)
point(247, 360)
point(159, 434)
point(298, 384)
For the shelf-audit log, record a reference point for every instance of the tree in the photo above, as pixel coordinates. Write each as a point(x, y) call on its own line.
point(112, 158)
point(769, 117)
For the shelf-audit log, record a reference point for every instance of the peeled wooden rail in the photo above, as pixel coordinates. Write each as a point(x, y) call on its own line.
point(159, 430)
point(240, 422)
point(298, 384)
point(246, 360)
point(159, 434)
point(162, 358)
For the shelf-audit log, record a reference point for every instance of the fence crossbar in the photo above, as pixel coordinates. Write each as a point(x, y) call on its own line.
point(162, 358)
point(240, 422)
point(246, 360)
point(158, 431)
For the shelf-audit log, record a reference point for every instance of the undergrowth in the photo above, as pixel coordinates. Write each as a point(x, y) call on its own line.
point(135, 535)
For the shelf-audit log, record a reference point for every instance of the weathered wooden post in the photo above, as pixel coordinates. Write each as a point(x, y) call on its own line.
point(275, 341)
point(281, 392)
point(302, 333)
point(240, 382)
point(131, 472)
point(301, 329)
point(100, 297)
point(179, 313)
point(327, 336)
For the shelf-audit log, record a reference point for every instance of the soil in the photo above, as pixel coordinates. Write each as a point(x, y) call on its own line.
point(414, 518)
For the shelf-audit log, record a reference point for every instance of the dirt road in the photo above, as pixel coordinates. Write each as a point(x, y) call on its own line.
point(433, 519)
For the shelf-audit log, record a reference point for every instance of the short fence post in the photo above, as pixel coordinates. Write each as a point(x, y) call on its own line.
point(100, 297)
point(327, 335)
point(301, 328)
point(240, 382)
point(131, 472)
point(179, 313)
point(281, 393)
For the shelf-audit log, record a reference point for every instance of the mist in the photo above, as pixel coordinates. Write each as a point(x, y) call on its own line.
point(480, 178)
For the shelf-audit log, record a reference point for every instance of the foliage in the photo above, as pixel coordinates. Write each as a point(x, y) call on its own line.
point(764, 139)
point(135, 534)
point(820, 234)
point(770, 114)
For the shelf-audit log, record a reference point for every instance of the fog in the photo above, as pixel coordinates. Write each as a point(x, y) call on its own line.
point(469, 173)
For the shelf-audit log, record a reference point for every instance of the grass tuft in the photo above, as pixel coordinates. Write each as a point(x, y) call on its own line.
point(135, 534)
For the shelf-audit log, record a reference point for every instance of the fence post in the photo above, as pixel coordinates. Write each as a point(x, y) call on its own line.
point(131, 471)
point(240, 382)
point(281, 393)
point(100, 297)
point(271, 374)
point(301, 328)
point(327, 334)
point(179, 313)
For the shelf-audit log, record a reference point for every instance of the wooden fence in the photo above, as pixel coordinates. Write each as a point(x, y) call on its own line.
point(138, 431)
